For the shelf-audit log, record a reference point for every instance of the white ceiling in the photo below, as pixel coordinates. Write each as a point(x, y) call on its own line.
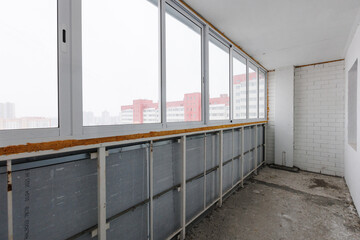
point(280, 33)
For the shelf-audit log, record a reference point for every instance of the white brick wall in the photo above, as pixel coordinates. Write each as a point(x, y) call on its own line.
point(270, 130)
point(319, 118)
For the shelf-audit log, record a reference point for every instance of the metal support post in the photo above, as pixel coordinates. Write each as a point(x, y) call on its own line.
point(256, 149)
point(183, 189)
point(9, 201)
point(221, 166)
point(264, 146)
point(151, 191)
point(204, 170)
point(242, 155)
point(232, 160)
point(101, 171)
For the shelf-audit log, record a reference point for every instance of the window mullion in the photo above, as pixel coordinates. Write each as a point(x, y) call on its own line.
point(231, 97)
point(64, 68)
point(162, 65)
point(76, 69)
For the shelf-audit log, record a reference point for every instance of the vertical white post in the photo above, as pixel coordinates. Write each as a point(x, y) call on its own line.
point(162, 61)
point(231, 106)
point(206, 75)
point(242, 155)
point(256, 149)
point(221, 167)
point(258, 93)
point(151, 192)
point(264, 142)
point(9, 201)
point(183, 193)
point(232, 160)
point(101, 163)
point(204, 170)
point(247, 89)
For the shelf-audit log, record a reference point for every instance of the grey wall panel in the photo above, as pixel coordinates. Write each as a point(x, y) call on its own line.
point(260, 135)
point(248, 139)
point(212, 187)
point(58, 201)
point(212, 151)
point(227, 179)
point(194, 198)
point(247, 164)
point(252, 160)
point(87, 236)
point(167, 210)
point(260, 155)
point(228, 145)
point(195, 156)
point(253, 137)
point(131, 225)
point(237, 169)
point(167, 165)
point(3, 206)
point(126, 180)
point(237, 142)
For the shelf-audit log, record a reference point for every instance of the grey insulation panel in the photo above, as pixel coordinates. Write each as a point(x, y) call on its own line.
point(237, 142)
point(247, 163)
point(228, 145)
point(167, 165)
point(212, 151)
point(195, 156)
point(260, 155)
point(194, 197)
point(212, 187)
point(260, 135)
point(131, 225)
point(3, 207)
point(227, 176)
point(87, 236)
point(248, 139)
point(126, 179)
point(237, 169)
point(253, 137)
point(58, 201)
point(167, 214)
point(252, 160)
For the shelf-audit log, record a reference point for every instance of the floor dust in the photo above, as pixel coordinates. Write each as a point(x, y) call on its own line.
point(278, 204)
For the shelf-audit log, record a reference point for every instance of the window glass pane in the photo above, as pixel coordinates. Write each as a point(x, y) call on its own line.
point(120, 62)
point(183, 68)
point(28, 63)
point(262, 91)
point(239, 87)
point(218, 80)
point(253, 91)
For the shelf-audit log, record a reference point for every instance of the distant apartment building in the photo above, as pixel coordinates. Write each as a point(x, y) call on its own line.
point(8, 119)
point(189, 108)
point(7, 110)
point(28, 122)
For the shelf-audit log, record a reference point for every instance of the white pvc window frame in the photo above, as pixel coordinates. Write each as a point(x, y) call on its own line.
point(197, 23)
point(70, 83)
point(240, 54)
point(228, 46)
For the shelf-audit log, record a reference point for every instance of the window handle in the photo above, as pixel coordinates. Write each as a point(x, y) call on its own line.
point(64, 36)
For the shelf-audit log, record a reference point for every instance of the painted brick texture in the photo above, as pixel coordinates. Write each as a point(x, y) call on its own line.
point(270, 129)
point(319, 115)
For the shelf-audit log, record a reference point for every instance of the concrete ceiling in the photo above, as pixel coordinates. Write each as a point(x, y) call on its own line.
point(280, 33)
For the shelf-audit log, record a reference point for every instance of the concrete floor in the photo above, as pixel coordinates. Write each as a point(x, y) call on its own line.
point(281, 205)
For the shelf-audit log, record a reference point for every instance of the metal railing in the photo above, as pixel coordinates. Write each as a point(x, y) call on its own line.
point(101, 151)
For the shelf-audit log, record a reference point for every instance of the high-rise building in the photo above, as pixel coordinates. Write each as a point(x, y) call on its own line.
point(7, 110)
